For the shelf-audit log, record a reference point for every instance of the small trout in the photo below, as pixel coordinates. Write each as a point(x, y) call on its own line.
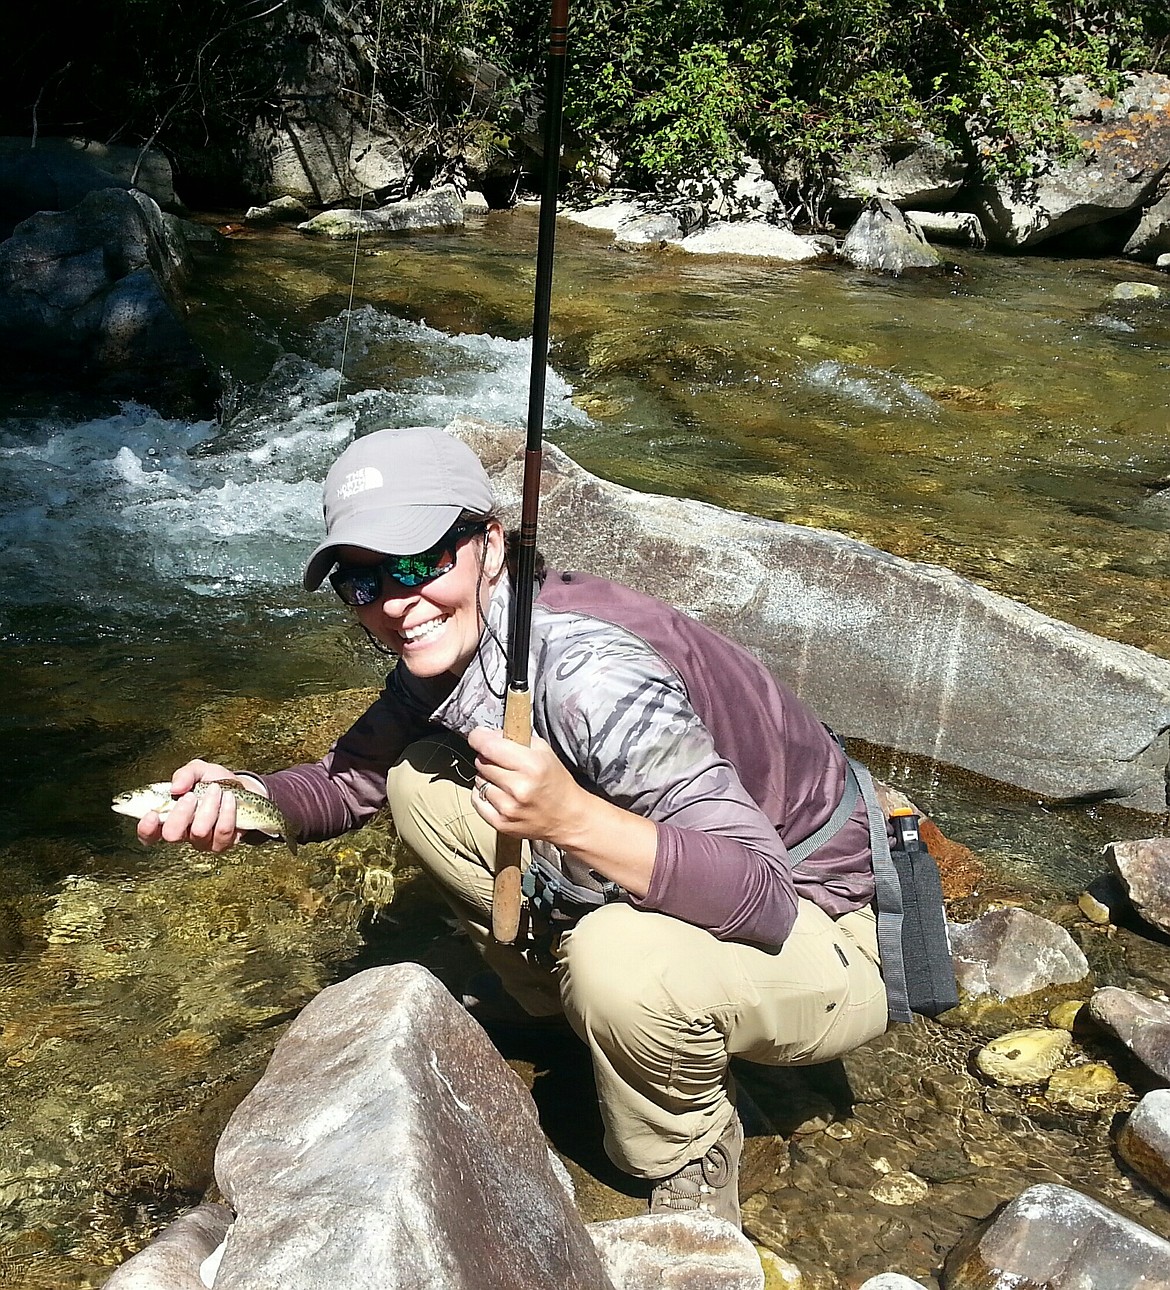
point(254, 814)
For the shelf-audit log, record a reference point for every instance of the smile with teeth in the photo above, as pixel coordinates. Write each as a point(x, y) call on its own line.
point(422, 630)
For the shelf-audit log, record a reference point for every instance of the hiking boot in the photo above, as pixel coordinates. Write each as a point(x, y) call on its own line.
point(710, 1183)
point(485, 998)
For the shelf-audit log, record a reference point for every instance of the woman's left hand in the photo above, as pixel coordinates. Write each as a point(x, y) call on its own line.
point(525, 792)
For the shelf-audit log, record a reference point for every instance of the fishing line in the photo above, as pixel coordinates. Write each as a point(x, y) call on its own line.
point(357, 241)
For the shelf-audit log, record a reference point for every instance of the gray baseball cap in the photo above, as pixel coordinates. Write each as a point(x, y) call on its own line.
point(398, 492)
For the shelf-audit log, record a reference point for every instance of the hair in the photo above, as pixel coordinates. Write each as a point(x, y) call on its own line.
point(511, 545)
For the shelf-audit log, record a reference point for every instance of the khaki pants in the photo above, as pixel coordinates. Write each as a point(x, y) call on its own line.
point(662, 1005)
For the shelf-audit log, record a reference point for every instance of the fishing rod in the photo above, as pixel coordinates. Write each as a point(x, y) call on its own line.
point(518, 701)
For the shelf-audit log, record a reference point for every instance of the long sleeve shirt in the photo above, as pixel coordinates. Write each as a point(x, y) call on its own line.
point(661, 716)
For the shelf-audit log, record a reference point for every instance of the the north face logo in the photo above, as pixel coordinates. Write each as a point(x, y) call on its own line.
point(361, 481)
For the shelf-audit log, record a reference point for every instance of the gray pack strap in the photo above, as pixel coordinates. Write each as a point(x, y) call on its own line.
point(888, 892)
point(834, 824)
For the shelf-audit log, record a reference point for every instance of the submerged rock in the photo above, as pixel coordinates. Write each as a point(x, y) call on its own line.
point(1023, 1056)
point(885, 239)
point(1144, 1140)
point(1142, 1025)
point(1144, 868)
point(1054, 1238)
point(1090, 1087)
point(1012, 953)
point(384, 1123)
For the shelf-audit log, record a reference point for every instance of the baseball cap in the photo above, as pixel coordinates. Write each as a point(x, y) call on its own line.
point(397, 492)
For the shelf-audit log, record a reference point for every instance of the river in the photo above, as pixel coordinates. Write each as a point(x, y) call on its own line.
point(1004, 419)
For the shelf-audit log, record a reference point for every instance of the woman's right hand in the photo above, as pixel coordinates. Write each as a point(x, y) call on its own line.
point(206, 822)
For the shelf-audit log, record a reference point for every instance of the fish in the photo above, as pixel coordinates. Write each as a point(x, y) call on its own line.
point(254, 813)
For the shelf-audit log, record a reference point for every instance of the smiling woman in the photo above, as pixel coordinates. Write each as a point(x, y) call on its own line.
point(669, 775)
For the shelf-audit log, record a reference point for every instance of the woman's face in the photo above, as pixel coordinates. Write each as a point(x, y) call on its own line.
point(435, 627)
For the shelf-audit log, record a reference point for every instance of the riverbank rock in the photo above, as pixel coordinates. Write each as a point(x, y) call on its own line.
point(677, 1252)
point(173, 1259)
point(926, 171)
point(1151, 238)
point(1054, 1238)
point(883, 238)
point(1125, 151)
point(439, 209)
point(1012, 953)
point(55, 174)
point(1142, 1025)
point(1144, 868)
point(1023, 1056)
point(1144, 1140)
point(282, 210)
point(91, 297)
point(384, 1122)
point(982, 682)
point(750, 238)
point(635, 223)
point(962, 227)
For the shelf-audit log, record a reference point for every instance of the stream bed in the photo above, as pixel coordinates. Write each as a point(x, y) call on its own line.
point(1006, 419)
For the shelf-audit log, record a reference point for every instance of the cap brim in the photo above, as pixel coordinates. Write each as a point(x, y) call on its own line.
point(402, 531)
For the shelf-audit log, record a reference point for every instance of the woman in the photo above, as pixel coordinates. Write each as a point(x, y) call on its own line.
point(668, 773)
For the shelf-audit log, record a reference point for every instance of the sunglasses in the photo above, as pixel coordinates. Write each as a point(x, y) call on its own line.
point(361, 584)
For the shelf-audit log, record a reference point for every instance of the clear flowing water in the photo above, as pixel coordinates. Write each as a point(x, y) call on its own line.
point(1006, 421)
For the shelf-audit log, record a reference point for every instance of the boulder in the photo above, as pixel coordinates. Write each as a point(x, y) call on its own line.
point(282, 210)
point(1144, 1140)
point(389, 1145)
point(91, 298)
point(925, 171)
point(1023, 1056)
point(654, 227)
point(1124, 152)
point(1053, 1238)
point(316, 147)
point(1142, 1025)
point(55, 174)
point(173, 1259)
point(980, 681)
point(743, 193)
point(1151, 238)
point(883, 238)
point(1012, 953)
point(677, 1252)
point(750, 238)
point(1144, 868)
point(962, 227)
point(636, 223)
point(1136, 291)
point(438, 209)
point(891, 1281)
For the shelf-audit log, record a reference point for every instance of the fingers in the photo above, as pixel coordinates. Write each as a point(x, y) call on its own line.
point(206, 821)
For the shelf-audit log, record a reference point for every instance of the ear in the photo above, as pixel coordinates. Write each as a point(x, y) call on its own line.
point(493, 549)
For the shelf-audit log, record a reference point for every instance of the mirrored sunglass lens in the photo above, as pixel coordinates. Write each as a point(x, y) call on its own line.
point(358, 586)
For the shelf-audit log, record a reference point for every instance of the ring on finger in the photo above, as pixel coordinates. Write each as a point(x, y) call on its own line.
point(482, 790)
